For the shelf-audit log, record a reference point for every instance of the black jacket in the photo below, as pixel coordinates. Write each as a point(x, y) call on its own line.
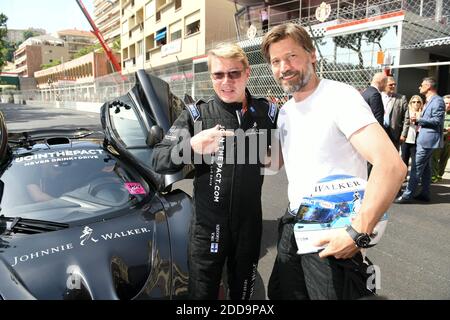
point(227, 222)
point(375, 102)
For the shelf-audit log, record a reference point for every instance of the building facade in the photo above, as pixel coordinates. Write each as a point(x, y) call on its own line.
point(83, 70)
point(76, 40)
point(107, 19)
point(157, 33)
point(36, 51)
point(355, 39)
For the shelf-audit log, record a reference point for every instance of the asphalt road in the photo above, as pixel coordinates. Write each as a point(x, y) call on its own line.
point(413, 256)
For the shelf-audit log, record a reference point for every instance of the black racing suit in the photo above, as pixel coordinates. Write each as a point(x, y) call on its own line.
point(227, 222)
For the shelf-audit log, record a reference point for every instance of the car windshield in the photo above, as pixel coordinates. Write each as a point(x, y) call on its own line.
point(69, 184)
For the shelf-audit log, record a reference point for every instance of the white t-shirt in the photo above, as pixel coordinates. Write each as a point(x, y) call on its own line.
point(314, 136)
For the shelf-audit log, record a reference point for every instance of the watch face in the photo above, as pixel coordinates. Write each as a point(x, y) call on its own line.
point(363, 241)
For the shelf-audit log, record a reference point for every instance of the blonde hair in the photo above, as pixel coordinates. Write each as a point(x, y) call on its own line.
point(283, 31)
point(410, 105)
point(228, 51)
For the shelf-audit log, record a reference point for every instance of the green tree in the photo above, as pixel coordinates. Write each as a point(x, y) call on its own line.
point(29, 34)
point(354, 41)
point(51, 64)
point(3, 32)
point(10, 46)
point(87, 50)
point(116, 45)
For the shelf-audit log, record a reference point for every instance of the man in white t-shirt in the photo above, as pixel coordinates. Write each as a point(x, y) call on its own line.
point(325, 129)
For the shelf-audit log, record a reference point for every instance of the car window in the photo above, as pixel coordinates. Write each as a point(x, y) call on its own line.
point(131, 133)
point(128, 128)
point(69, 184)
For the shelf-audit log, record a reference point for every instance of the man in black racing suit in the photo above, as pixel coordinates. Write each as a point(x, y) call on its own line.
point(227, 222)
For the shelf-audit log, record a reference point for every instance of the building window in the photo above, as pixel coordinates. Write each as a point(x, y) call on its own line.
point(140, 48)
point(161, 37)
point(150, 9)
point(193, 27)
point(124, 27)
point(192, 23)
point(175, 35)
point(175, 30)
point(177, 4)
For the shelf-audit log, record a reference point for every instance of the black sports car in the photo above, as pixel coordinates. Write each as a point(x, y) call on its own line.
point(84, 216)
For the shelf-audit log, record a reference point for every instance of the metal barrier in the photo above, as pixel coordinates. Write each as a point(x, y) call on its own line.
point(347, 56)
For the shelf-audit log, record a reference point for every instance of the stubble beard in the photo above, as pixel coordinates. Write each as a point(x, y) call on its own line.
point(290, 87)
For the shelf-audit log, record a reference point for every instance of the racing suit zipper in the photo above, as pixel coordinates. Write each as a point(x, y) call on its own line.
point(234, 169)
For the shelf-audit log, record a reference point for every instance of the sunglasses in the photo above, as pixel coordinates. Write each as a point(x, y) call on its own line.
point(392, 85)
point(233, 75)
point(416, 102)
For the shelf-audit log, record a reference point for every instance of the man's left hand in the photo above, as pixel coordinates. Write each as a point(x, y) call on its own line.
point(338, 244)
point(402, 139)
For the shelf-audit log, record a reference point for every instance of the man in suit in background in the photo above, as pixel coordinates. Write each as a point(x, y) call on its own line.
point(429, 137)
point(395, 107)
point(372, 95)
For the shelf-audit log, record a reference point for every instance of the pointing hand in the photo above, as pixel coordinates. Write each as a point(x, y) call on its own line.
point(207, 141)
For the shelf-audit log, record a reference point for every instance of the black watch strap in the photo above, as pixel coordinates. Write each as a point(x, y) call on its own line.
point(352, 232)
point(362, 240)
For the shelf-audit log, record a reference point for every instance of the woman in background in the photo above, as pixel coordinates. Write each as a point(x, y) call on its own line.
point(411, 117)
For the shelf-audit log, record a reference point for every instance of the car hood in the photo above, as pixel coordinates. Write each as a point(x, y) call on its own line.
point(109, 259)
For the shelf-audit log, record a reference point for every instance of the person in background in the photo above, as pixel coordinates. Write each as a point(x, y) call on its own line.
point(409, 146)
point(395, 107)
point(440, 156)
point(431, 124)
point(264, 19)
point(372, 95)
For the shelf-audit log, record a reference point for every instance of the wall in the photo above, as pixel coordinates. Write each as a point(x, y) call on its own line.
point(221, 29)
point(34, 59)
point(54, 53)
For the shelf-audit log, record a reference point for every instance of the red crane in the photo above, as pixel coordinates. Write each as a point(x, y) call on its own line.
point(99, 36)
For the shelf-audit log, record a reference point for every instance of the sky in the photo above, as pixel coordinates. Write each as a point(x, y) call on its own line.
point(51, 15)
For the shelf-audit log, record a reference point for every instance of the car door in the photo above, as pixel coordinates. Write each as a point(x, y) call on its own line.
point(135, 122)
point(3, 138)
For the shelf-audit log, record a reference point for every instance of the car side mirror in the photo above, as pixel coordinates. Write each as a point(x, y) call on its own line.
point(155, 136)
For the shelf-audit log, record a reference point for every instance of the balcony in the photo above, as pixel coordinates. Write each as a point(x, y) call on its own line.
point(130, 63)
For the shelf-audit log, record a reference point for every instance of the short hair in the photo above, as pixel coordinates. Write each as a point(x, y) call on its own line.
point(447, 96)
point(431, 81)
point(283, 31)
point(228, 51)
point(379, 77)
point(391, 78)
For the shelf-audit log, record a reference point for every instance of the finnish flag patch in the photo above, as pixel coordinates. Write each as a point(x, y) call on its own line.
point(272, 112)
point(214, 247)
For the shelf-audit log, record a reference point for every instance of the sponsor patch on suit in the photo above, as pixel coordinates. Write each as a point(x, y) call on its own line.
point(195, 114)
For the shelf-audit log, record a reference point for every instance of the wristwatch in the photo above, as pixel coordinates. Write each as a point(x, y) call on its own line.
point(362, 240)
